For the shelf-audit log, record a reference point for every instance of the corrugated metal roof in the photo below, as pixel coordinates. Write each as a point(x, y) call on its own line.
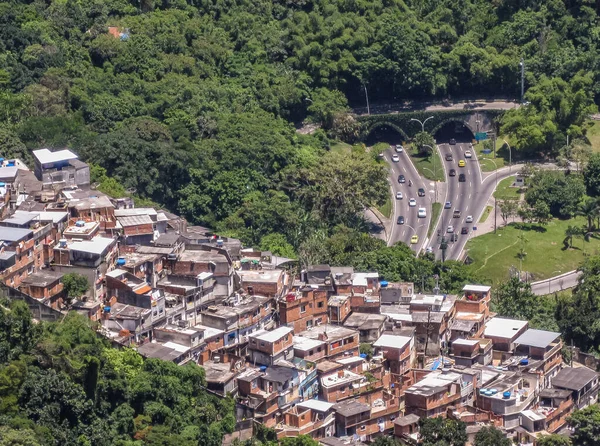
point(135, 220)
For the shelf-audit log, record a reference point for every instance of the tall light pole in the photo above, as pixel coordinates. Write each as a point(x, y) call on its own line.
point(522, 65)
point(509, 155)
point(422, 122)
point(494, 193)
point(367, 97)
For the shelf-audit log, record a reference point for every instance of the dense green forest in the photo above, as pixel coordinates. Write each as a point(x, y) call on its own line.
point(192, 105)
point(61, 384)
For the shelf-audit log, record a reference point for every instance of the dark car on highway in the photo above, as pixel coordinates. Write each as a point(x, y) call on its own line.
point(464, 230)
point(452, 141)
point(452, 172)
point(448, 157)
point(462, 178)
point(401, 179)
point(401, 220)
point(421, 192)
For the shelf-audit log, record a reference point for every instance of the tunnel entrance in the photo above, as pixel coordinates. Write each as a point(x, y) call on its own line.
point(384, 133)
point(456, 130)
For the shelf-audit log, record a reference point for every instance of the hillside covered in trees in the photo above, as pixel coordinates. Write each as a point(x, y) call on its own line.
point(191, 103)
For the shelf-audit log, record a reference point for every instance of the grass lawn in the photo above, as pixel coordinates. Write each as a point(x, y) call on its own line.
point(505, 192)
point(339, 146)
point(486, 213)
point(593, 134)
point(493, 254)
point(425, 165)
point(436, 208)
point(386, 209)
point(501, 159)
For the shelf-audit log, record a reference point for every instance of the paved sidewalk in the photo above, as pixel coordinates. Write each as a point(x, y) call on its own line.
point(380, 225)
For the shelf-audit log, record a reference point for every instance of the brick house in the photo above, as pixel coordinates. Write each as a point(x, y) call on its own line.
point(304, 309)
point(339, 341)
point(267, 347)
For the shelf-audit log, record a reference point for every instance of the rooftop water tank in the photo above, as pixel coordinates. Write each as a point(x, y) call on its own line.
point(220, 242)
point(62, 243)
point(10, 164)
point(524, 361)
point(121, 261)
point(263, 368)
point(483, 391)
point(506, 394)
point(80, 223)
point(107, 309)
point(2, 184)
point(363, 355)
point(494, 391)
point(383, 283)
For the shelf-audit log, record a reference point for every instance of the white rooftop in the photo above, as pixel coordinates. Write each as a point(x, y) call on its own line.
point(97, 245)
point(305, 344)
point(436, 380)
point(272, 336)
point(392, 341)
point(319, 406)
point(176, 346)
point(465, 342)
point(477, 288)
point(209, 332)
point(360, 279)
point(335, 379)
point(45, 156)
point(534, 416)
point(115, 272)
point(498, 327)
point(350, 360)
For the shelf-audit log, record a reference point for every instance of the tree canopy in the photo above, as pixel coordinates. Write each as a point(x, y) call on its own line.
point(60, 383)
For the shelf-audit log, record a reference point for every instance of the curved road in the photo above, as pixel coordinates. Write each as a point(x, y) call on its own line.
point(412, 224)
point(469, 197)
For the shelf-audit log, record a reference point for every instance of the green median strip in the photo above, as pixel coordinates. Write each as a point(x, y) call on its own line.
point(436, 208)
point(486, 213)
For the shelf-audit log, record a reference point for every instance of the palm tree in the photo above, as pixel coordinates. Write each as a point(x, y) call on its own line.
point(588, 209)
point(570, 232)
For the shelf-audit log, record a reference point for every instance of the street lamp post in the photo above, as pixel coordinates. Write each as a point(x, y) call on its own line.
point(367, 98)
point(509, 155)
point(522, 65)
point(550, 279)
point(495, 206)
point(422, 122)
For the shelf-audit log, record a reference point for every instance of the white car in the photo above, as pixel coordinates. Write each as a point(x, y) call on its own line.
point(399, 196)
point(422, 213)
point(468, 154)
point(469, 219)
point(450, 229)
point(412, 202)
point(399, 148)
point(395, 158)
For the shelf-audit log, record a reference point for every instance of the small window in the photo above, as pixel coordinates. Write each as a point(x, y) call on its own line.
point(363, 427)
point(320, 305)
point(262, 344)
point(343, 390)
point(303, 309)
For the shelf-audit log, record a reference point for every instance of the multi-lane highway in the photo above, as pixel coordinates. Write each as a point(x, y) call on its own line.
point(463, 196)
point(413, 225)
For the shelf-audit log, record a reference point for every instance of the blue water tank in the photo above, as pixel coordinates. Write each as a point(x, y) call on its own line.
point(483, 391)
point(80, 223)
point(263, 368)
point(524, 361)
point(121, 261)
point(363, 355)
point(10, 164)
point(493, 391)
point(383, 283)
point(506, 395)
point(2, 184)
point(107, 309)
